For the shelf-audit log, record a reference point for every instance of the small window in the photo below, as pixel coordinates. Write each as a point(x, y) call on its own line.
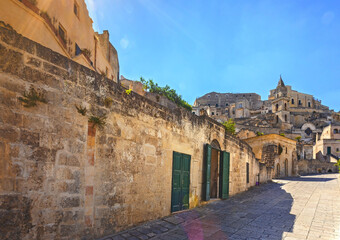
point(194, 113)
point(77, 50)
point(209, 104)
point(277, 107)
point(337, 149)
point(286, 150)
point(285, 118)
point(300, 102)
point(208, 96)
point(216, 105)
point(62, 34)
point(76, 9)
point(212, 113)
point(309, 104)
point(216, 95)
point(293, 101)
point(335, 131)
point(227, 104)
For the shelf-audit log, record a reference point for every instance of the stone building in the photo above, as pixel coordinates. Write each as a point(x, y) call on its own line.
point(228, 105)
point(328, 143)
point(276, 153)
point(67, 175)
point(65, 27)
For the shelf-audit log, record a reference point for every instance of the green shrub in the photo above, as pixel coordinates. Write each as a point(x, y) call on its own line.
point(166, 91)
point(230, 126)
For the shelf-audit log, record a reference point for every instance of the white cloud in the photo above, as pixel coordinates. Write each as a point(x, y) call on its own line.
point(124, 42)
point(327, 17)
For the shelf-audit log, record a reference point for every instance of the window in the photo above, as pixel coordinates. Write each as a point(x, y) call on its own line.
point(226, 104)
point(285, 106)
point(277, 119)
point(76, 9)
point(240, 105)
point(337, 149)
point(247, 166)
point(77, 50)
point(300, 102)
point(216, 105)
point(62, 34)
point(293, 101)
point(194, 113)
point(208, 96)
point(335, 131)
point(277, 107)
point(216, 95)
point(309, 104)
point(286, 150)
point(285, 118)
point(212, 113)
point(208, 104)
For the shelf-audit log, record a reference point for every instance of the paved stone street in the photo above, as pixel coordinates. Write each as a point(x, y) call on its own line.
point(294, 208)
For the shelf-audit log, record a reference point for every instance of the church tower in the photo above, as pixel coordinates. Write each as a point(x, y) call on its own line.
point(280, 105)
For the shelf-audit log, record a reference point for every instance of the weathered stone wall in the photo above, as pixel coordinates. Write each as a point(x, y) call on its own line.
point(305, 167)
point(61, 178)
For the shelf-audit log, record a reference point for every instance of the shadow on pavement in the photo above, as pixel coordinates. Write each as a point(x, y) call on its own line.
point(260, 213)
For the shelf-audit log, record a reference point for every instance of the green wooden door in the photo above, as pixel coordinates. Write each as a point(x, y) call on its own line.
point(206, 174)
point(224, 174)
point(180, 182)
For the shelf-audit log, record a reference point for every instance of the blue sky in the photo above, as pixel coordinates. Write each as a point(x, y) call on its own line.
point(227, 46)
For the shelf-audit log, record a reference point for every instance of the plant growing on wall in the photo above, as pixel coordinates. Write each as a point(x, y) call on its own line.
point(86, 52)
point(282, 134)
point(108, 102)
point(259, 133)
point(230, 126)
point(98, 121)
point(151, 86)
point(31, 98)
point(298, 138)
point(45, 15)
point(81, 110)
point(128, 91)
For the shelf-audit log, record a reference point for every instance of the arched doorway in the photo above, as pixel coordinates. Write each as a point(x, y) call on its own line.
point(278, 170)
point(286, 167)
point(277, 119)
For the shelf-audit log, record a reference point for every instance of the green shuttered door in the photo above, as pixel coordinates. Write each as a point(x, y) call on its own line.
point(180, 182)
point(224, 174)
point(207, 167)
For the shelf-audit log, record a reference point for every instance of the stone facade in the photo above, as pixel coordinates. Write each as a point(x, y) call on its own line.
point(65, 27)
point(63, 178)
point(328, 144)
point(278, 153)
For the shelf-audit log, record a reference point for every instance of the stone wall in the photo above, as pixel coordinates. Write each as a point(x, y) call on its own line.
point(62, 178)
point(305, 167)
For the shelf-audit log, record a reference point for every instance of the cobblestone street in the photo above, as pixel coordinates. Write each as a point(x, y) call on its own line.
point(295, 208)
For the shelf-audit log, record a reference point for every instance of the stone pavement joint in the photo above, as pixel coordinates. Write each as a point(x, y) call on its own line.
point(294, 208)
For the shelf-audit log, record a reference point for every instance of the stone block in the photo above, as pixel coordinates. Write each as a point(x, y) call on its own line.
point(67, 159)
point(70, 202)
point(29, 138)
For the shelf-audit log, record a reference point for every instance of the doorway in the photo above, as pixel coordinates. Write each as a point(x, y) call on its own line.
point(215, 172)
point(278, 170)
